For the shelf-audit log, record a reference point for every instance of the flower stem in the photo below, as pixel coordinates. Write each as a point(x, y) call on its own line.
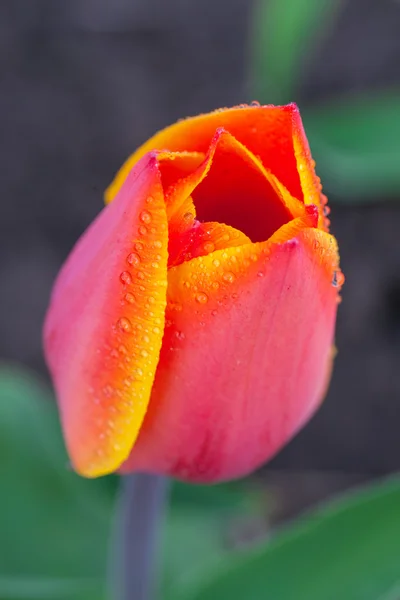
point(140, 511)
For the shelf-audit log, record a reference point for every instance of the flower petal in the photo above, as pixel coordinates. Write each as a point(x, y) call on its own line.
point(273, 133)
point(103, 344)
point(245, 357)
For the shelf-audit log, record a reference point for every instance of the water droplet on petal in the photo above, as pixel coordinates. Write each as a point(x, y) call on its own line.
point(338, 279)
point(138, 246)
point(129, 298)
point(188, 216)
point(126, 277)
point(142, 230)
point(140, 275)
point(208, 247)
point(228, 277)
point(216, 262)
point(133, 259)
point(326, 210)
point(145, 216)
point(124, 324)
point(201, 298)
point(149, 199)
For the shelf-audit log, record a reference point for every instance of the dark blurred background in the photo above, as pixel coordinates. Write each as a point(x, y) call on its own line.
point(84, 82)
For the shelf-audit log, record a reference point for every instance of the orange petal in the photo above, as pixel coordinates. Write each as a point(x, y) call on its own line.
point(245, 356)
point(273, 133)
point(105, 324)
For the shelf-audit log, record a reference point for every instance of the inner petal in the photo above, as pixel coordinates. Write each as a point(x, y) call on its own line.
point(235, 191)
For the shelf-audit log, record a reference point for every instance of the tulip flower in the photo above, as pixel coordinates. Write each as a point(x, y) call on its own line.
point(190, 331)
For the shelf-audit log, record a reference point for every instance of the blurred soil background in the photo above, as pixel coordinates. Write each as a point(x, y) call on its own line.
point(84, 82)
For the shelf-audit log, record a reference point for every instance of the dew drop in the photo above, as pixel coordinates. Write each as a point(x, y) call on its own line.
point(126, 277)
point(139, 372)
point(122, 349)
point(149, 199)
point(138, 246)
point(140, 275)
point(124, 324)
point(144, 353)
point(228, 277)
point(108, 390)
point(338, 279)
point(214, 313)
point(208, 247)
point(326, 210)
point(155, 265)
point(188, 216)
point(157, 244)
point(146, 339)
point(216, 262)
point(133, 259)
point(151, 300)
point(129, 298)
point(156, 330)
point(142, 230)
point(255, 103)
point(201, 298)
point(180, 335)
point(215, 285)
point(145, 216)
point(260, 274)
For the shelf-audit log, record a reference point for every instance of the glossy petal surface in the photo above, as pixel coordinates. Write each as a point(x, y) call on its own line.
point(104, 327)
point(275, 134)
point(190, 332)
point(245, 357)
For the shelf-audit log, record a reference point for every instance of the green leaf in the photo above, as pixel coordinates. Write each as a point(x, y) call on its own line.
point(356, 144)
point(201, 526)
point(54, 525)
point(348, 550)
point(284, 34)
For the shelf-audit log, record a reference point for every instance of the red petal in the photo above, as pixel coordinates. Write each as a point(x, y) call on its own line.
point(273, 133)
point(245, 357)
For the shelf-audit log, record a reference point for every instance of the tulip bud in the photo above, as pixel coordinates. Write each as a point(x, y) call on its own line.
point(190, 330)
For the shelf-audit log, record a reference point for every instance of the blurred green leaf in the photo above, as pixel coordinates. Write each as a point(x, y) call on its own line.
point(356, 144)
point(54, 525)
point(201, 527)
point(348, 550)
point(284, 34)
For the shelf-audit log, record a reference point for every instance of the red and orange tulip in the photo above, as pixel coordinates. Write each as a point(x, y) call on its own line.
point(190, 330)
